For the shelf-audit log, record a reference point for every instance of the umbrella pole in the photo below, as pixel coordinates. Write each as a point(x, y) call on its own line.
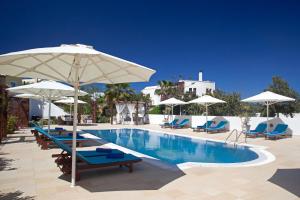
point(206, 107)
point(172, 116)
point(267, 116)
point(43, 102)
point(49, 116)
point(76, 85)
point(180, 109)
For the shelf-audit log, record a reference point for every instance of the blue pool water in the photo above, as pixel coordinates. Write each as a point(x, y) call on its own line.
point(175, 149)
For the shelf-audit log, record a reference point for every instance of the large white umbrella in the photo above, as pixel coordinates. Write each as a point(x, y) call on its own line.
point(206, 100)
point(172, 102)
point(268, 98)
point(73, 64)
point(69, 101)
point(49, 90)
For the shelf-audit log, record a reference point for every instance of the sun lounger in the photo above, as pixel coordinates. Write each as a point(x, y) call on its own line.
point(182, 124)
point(203, 127)
point(279, 131)
point(259, 130)
point(220, 127)
point(169, 124)
point(55, 130)
point(45, 140)
point(87, 160)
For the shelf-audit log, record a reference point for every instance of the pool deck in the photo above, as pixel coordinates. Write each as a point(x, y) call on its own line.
point(27, 172)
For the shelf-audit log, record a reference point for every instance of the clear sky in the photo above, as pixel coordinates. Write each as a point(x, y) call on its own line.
point(238, 44)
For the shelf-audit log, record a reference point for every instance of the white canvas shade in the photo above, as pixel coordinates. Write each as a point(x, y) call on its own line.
point(206, 100)
point(50, 90)
point(73, 64)
point(172, 102)
point(268, 98)
point(69, 101)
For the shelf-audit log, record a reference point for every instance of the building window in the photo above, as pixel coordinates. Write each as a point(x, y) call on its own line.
point(194, 90)
point(190, 90)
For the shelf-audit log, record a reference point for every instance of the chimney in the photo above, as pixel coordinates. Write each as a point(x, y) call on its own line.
point(200, 76)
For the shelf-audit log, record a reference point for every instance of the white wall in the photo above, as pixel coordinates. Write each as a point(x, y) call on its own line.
point(234, 122)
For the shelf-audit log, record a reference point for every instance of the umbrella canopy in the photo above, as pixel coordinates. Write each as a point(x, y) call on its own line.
point(268, 98)
point(206, 100)
point(48, 89)
point(69, 100)
point(72, 64)
point(172, 102)
point(28, 96)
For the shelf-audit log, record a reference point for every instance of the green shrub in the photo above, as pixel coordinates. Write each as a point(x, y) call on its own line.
point(155, 110)
point(103, 119)
point(11, 124)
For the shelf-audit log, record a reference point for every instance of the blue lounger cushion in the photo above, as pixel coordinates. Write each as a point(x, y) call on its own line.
point(97, 160)
point(89, 153)
point(115, 155)
point(104, 150)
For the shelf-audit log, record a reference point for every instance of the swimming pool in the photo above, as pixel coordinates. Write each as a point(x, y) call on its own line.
point(176, 149)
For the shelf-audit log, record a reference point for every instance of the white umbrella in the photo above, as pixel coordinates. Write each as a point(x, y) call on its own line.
point(73, 64)
point(69, 101)
point(28, 96)
point(206, 100)
point(172, 102)
point(268, 98)
point(49, 90)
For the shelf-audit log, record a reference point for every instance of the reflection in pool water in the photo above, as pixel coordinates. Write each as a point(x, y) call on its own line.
point(175, 149)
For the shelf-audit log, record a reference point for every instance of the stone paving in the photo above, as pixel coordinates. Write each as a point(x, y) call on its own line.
point(27, 172)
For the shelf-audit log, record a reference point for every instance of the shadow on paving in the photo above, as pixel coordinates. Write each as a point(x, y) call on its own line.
point(5, 163)
point(18, 195)
point(288, 179)
point(145, 176)
point(18, 139)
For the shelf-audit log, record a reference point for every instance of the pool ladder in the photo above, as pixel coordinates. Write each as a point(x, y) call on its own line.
point(237, 136)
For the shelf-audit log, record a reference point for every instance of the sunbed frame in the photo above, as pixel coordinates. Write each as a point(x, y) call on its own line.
point(64, 163)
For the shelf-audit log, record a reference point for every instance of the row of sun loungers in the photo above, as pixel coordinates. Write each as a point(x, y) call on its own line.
point(261, 130)
point(210, 128)
point(86, 159)
point(175, 124)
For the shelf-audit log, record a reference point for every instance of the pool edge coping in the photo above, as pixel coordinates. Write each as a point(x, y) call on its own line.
point(264, 156)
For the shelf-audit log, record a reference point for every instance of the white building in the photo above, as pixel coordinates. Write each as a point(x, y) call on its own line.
point(199, 87)
point(151, 91)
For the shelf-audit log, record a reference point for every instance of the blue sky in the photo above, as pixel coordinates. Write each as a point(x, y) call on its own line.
point(238, 44)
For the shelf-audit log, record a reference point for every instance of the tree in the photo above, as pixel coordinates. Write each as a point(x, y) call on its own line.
point(232, 107)
point(167, 89)
point(281, 86)
point(115, 93)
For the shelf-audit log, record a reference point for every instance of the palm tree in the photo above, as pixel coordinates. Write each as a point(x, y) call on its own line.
point(167, 89)
point(115, 93)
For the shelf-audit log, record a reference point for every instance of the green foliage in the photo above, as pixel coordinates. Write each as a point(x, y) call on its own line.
point(12, 124)
point(280, 86)
point(102, 119)
point(232, 107)
point(156, 110)
point(167, 89)
point(115, 93)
